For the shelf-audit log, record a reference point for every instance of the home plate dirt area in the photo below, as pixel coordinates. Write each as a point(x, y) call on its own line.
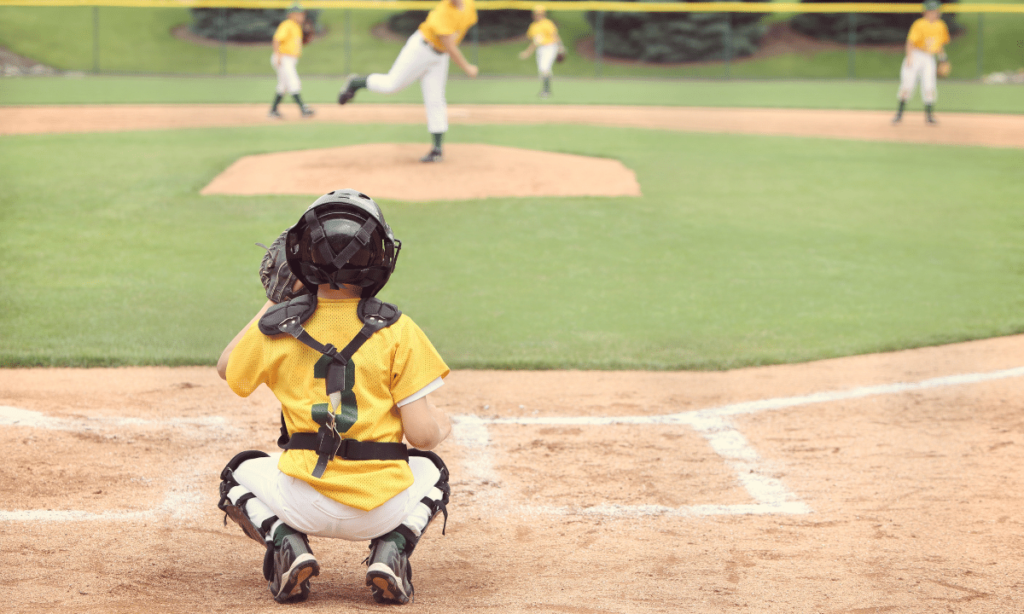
point(882, 483)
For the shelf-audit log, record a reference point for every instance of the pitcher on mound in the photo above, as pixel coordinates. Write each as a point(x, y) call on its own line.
point(425, 58)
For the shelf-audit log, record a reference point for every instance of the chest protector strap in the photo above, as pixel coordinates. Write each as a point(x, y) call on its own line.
point(287, 318)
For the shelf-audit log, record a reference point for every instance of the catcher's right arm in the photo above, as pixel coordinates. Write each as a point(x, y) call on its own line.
point(276, 276)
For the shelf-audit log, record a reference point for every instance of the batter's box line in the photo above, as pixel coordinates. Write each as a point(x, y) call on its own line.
point(770, 495)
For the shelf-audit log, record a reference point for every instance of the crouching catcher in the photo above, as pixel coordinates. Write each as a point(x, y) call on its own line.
point(345, 472)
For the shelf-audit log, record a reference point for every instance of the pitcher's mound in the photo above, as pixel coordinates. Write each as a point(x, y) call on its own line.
point(393, 171)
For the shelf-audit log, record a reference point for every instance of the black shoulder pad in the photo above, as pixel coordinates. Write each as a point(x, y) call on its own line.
point(301, 306)
point(374, 308)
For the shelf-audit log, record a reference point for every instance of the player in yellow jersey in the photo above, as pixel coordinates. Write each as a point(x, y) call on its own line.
point(287, 49)
point(543, 35)
point(425, 58)
point(926, 43)
point(354, 377)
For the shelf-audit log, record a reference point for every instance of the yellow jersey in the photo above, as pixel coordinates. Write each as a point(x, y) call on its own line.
point(542, 32)
point(289, 38)
point(395, 363)
point(445, 19)
point(928, 36)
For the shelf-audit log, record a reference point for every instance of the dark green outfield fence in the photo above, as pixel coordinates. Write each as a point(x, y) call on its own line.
point(755, 39)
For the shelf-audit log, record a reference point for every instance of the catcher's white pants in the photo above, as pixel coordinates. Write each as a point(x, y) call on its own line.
point(301, 507)
point(287, 74)
point(418, 60)
point(546, 55)
point(923, 69)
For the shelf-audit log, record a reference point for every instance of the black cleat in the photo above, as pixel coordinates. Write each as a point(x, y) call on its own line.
point(388, 573)
point(294, 565)
point(308, 112)
point(897, 119)
point(274, 114)
point(347, 92)
point(433, 156)
point(931, 121)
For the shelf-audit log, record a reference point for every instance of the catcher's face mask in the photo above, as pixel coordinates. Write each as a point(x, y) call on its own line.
point(343, 239)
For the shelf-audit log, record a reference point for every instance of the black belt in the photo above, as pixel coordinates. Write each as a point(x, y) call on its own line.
point(349, 449)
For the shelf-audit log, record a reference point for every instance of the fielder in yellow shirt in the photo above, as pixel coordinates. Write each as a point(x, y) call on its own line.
point(926, 44)
point(544, 39)
point(354, 377)
point(287, 45)
point(425, 58)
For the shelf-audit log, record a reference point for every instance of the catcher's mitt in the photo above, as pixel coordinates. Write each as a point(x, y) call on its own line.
point(275, 274)
point(944, 68)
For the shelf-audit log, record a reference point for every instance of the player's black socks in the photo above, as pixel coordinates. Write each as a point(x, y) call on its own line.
point(903, 105)
point(437, 139)
point(547, 85)
point(277, 101)
point(298, 100)
point(928, 111)
point(357, 84)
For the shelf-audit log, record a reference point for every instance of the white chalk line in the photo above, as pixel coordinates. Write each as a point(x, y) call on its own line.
point(770, 495)
point(180, 501)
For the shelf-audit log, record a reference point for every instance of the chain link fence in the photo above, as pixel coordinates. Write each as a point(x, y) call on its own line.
point(752, 40)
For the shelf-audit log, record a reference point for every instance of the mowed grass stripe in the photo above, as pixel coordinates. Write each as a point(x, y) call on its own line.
point(742, 251)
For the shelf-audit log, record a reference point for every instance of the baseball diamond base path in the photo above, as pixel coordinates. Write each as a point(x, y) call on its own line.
point(882, 483)
point(391, 170)
point(987, 130)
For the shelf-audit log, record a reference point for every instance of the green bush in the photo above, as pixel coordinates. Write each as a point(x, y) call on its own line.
point(680, 37)
point(242, 25)
point(870, 28)
point(493, 25)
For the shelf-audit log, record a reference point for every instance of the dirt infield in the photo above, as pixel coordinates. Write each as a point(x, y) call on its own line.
point(393, 170)
point(955, 129)
point(884, 483)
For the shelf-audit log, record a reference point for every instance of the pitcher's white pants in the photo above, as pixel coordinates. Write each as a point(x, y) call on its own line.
point(287, 74)
point(301, 507)
point(418, 60)
point(923, 69)
point(546, 55)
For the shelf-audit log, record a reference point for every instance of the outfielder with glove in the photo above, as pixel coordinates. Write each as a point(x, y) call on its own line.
point(925, 57)
point(425, 58)
point(344, 472)
point(543, 35)
point(288, 41)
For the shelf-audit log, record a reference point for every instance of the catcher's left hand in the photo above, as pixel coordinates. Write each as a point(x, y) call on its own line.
point(944, 68)
point(276, 276)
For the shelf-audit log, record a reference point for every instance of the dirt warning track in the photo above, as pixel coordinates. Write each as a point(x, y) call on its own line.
point(883, 483)
point(988, 130)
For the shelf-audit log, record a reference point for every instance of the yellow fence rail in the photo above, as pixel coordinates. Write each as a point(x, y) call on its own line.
point(609, 7)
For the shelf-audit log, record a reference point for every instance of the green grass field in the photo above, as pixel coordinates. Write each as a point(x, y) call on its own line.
point(139, 41)
point(742, 251)
point(953, 96)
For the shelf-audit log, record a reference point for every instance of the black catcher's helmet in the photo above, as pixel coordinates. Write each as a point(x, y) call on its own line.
point(342, 238)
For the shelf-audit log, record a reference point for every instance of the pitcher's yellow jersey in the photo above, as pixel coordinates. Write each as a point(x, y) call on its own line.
point(542, 32)
point(395, 363)
point(445, 19)
point(929, 36)
point(289, 38)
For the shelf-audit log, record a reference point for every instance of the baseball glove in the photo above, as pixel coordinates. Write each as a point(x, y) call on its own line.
point(275, 274)
point(561, 55)
point(944, 68)
point(307, 33)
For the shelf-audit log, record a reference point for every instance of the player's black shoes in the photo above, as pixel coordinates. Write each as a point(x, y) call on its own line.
point(388, 573)
point(307, 112)
point(434, 155)
point(348, 90)
point(294, 565)
point(275, 114)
